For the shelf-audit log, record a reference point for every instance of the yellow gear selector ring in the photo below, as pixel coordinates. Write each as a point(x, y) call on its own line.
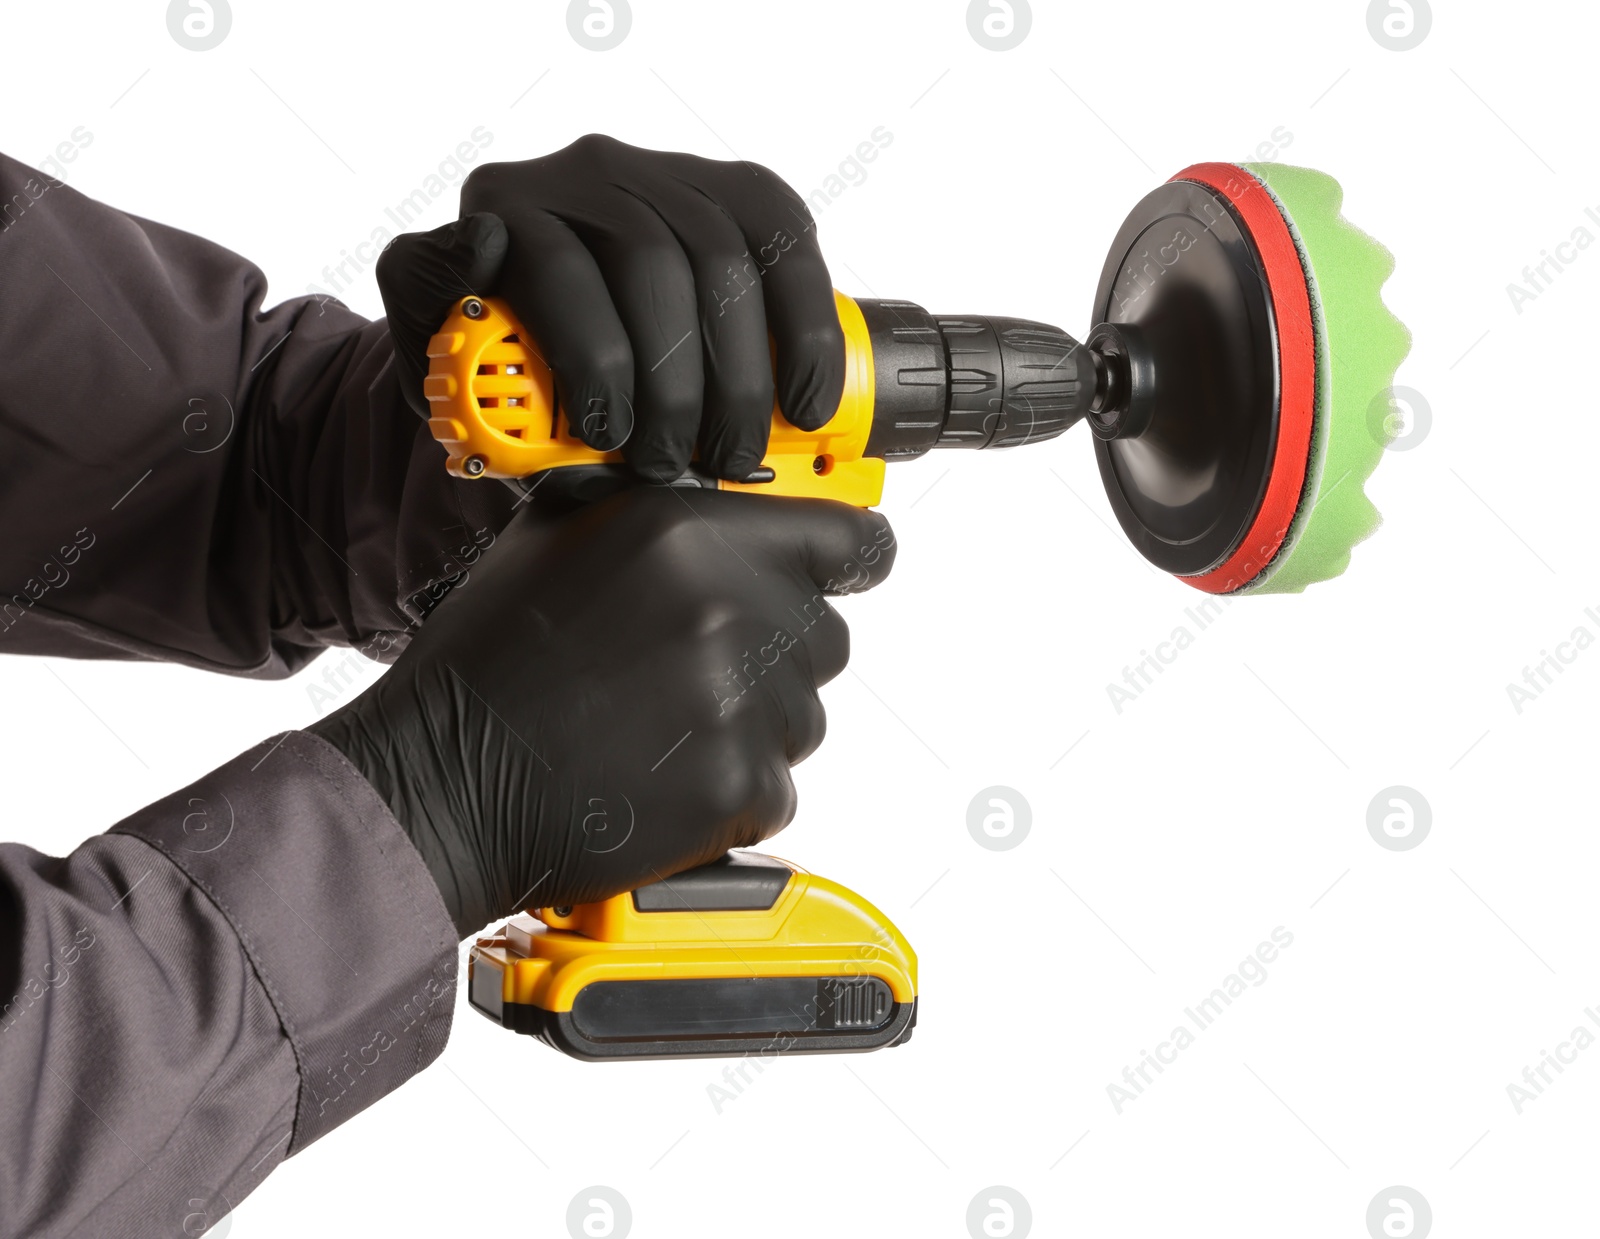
point(748, 954)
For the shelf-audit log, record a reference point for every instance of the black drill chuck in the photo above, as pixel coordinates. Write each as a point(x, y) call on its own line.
point(971, 381)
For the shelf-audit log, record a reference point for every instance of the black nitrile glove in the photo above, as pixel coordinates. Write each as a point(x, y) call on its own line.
point(650, 282)
point(615, 696)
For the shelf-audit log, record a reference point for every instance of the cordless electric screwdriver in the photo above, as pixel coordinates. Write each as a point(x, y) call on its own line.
point(749, 954)
point(1237, 384)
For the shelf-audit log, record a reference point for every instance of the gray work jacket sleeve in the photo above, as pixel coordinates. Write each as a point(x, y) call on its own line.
point(184, 476)
point(206, 989)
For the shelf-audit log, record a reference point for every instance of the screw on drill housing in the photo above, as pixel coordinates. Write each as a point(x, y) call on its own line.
point(474, 465)
point(473, 308)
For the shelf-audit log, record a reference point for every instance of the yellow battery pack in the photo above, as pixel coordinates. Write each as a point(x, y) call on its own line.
point(749, 954)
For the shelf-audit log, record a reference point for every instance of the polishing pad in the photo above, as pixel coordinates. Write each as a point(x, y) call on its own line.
point(1255, 307)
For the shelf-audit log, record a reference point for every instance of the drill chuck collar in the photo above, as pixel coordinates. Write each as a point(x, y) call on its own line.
point(973, 381)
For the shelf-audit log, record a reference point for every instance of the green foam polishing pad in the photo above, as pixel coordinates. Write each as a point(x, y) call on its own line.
point(1359, 345)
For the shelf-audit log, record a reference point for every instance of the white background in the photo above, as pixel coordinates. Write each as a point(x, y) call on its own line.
point(1230, 798)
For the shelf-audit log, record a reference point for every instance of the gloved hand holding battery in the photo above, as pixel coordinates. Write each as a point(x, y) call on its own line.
point(615, 696)
point(651, 281)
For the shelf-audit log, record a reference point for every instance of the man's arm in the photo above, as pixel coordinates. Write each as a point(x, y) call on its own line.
point(239, 967)
point(187, 1000)
point(185, 476)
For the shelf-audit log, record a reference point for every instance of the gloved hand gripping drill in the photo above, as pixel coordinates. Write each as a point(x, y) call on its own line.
point(618, 694)
point(614, 696)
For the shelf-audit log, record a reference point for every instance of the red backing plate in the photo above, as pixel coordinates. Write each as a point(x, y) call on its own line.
point(1297, 367)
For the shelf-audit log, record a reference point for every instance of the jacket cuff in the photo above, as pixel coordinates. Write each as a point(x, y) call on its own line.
point(340, 919)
